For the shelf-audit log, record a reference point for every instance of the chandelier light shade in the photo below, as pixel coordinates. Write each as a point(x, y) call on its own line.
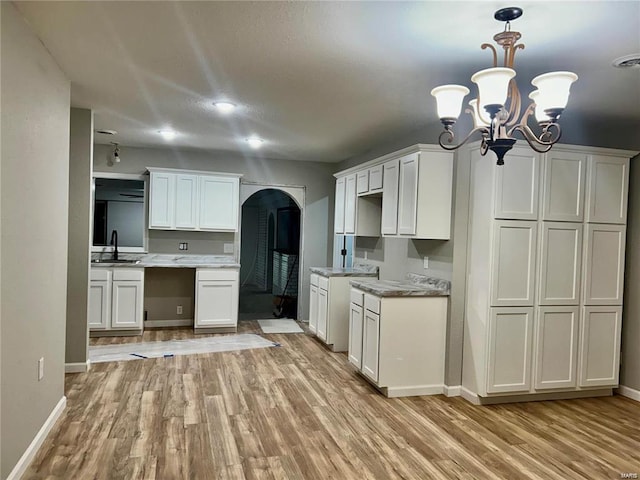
point(499, 97)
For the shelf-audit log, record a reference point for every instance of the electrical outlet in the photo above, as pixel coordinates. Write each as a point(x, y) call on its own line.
point(183, 246)
point(365, 254)
point(426, 262)
point(41, 369)
point(228, 248)
point(179, 309)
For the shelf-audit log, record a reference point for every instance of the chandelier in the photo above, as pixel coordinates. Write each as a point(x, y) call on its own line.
point(499, 97)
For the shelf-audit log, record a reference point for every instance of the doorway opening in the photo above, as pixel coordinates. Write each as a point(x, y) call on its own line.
point(269, 256)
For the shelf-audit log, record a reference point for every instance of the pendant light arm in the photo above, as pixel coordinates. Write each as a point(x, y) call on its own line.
point(448, 136)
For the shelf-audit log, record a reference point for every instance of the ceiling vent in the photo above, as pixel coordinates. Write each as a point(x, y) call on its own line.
point(107, 132)
point(627, 61)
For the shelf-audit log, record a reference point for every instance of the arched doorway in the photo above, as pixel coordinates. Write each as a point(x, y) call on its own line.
point(269, 255)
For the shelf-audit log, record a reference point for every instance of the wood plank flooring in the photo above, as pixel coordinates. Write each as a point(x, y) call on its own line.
point(300, 411)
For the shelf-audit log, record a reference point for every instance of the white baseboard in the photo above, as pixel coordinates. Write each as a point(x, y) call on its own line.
point(393, 392)
point(77, 367)
point(469, 396)
point(36, 443)
point(182, 322)
point(629, 392)
point(452, 391)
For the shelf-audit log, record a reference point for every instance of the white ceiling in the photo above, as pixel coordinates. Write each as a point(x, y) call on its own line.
point(318, 80)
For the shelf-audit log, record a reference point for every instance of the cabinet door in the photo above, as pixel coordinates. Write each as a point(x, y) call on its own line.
point(560, 263)
point(607, 187)
point(350, 204)
point(600, 346)
point(516, 190)
point(338, 219)
point(362, 182)
point(603, 264)
point(216, 303)
point(186, 202)
point(356, 319)
point(126, 305)
point(408, 194)
point(219, 200)
point(375, 178)
point(371, 345)
point(513, 263)
point(99, 304)
point(162, 195)
point(323, 310)
point(390, 198)
point(556, 353)
point(509, 349)
point(563, 186)
point(313, 309)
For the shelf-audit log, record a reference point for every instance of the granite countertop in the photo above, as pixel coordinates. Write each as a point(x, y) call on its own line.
point(413, 286)
point(358, 270)
point(148, 260)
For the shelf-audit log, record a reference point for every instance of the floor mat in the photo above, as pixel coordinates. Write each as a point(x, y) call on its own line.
point(280, 325)
point(141, 350)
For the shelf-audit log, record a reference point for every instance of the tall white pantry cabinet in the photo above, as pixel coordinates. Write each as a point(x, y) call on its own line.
point(545, 271)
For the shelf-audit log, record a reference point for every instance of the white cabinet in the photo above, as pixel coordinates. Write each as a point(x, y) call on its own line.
point(600, 346)
point(376, 179)
point(350, 204)
point(604, 252)
point(513, 263)
point(560, 263)
point(162, 188)
point(187, 200)
point(516, 185)
point(390, 198)
point(216, 303)
point(313, 304)
point(563, 186)
point(370, 345)
point(369, 180)
point(556, 351)
point(570, 274)
point(509, 349)
point(338, 219)
point(329, 316)
point(219, 202)
point(398, 343)
point(607, 189)
point(408, 194)
point(116, 299)
point(362, 182)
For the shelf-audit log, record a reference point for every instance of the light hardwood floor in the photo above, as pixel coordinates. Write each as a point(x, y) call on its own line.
point(300, 412)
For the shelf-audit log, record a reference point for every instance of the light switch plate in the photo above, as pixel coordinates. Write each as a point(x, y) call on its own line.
point(41, 369)
point(426, 262)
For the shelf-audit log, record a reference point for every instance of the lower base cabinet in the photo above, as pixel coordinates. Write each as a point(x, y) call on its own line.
point(216, 305)
point(116, 297)
point(398, 343)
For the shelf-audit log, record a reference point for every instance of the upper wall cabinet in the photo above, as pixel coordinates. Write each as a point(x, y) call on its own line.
point(563, 186)
point(516, 192)
point(199, 201)
point(607, 186)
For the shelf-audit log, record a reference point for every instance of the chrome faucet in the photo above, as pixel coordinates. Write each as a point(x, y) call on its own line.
point(114, 235)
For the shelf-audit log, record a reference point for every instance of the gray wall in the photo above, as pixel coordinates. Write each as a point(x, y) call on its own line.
point(315, 176)
point(199, 243)
point(630, 356)
point(34, 95)
point(78, 264)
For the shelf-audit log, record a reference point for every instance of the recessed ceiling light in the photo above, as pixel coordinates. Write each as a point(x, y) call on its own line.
point(627, 61)
point(107, 132)
point(167, 134)
point(225, 107)
point(255, 142)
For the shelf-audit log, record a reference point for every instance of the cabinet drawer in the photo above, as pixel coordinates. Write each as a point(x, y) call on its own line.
point(135, 274)
point(216, 274)
point(314, 279)
point(100, 273)
point(372, 303)
point(323, 282)
point(357, 297)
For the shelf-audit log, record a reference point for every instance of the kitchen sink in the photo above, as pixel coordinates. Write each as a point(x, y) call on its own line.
point(111, 260)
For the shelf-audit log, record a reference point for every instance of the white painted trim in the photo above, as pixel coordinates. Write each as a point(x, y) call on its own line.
point(31, 451)
point(628, 392)
point(393, 392)
point(469, 396)
point(194, 172)
point(77, 367)
point(181, 322)
point(452, 391)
